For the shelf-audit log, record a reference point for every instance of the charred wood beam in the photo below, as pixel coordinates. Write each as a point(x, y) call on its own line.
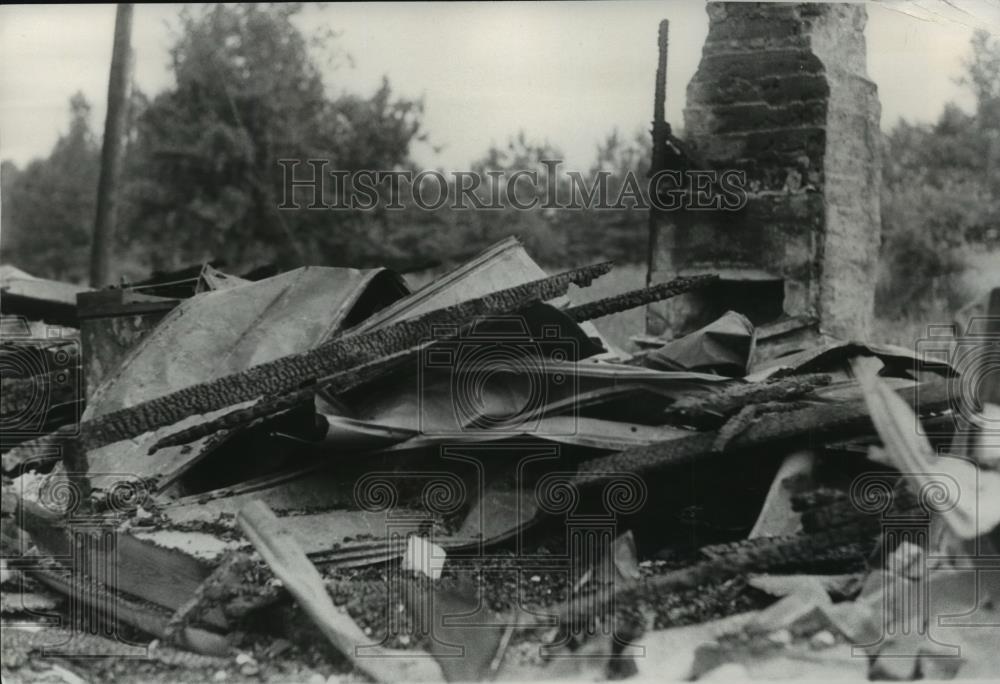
point(341, 354)
point(270, 408)
point(347, 380)
point(822, 550)
point(712, 409)
point(767, 554)
point(637, 298)
point(807, 426)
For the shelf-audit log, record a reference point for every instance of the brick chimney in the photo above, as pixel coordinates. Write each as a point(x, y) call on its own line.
point(782, 94)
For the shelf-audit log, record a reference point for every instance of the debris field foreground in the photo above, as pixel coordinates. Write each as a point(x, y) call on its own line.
point(321, 474)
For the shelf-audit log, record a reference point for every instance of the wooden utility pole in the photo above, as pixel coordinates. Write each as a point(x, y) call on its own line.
point(113, 148)
point(991, 350)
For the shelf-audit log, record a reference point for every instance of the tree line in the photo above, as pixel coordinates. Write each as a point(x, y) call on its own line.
point(202, 179)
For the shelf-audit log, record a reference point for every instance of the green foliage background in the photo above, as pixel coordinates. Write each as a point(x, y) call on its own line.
point(941, 196)
point(203, 181)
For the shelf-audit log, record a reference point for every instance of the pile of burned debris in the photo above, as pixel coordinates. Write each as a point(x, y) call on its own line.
point(322, 475)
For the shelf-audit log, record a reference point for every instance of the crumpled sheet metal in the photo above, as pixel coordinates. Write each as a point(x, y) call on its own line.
point(218, 333)
point(504, 264)
point(570, 430)
point(37, 299)
point(724, 346)
point(16, 283)
point(834, 355)
point(429, 405)
point(345, 434)
point(222, 332)
point(212, 279)
point(321, 510)
point(317, 531)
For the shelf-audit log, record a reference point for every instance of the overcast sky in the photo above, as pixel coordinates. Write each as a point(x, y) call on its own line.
point(564, 72)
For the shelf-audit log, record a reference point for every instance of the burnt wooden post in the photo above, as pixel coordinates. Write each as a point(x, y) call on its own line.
point(113, 147)
point(781, 95)
point(991, 388)
point(660, 133)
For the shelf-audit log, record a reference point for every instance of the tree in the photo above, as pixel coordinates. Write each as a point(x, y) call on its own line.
point(982, 75)
point(537, 227)
point(620, 234)
point(49, 205)
point(558, 236)
point(941, 194)
point(248, 94)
